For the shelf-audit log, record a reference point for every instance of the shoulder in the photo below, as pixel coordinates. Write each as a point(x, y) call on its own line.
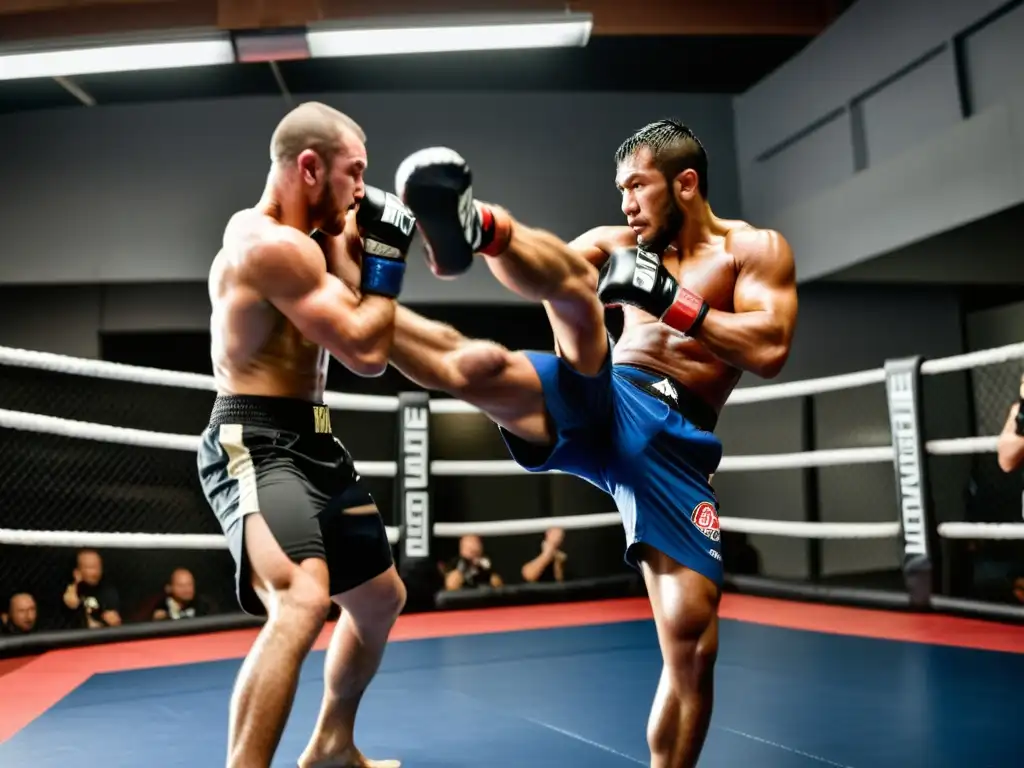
point(606, 239)
point(760, 248)
point(268, 255)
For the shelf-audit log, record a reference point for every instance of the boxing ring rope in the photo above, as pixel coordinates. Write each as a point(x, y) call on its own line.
point(895, 529)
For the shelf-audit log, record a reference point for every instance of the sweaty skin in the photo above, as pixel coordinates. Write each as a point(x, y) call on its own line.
point(256, 348)
point(709, 271)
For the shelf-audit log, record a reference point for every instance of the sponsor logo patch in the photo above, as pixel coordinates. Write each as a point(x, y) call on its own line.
point(705, 517)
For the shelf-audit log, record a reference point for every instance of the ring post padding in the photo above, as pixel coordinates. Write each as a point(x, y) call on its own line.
point(412, 493)
point(903, 396)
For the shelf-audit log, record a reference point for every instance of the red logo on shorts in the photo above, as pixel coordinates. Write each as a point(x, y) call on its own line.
point(705, 517)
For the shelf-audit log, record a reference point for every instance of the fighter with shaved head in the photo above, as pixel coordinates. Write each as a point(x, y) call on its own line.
point(311, 271)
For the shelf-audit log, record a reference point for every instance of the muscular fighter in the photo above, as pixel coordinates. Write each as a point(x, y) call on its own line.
point(300, 524)
point(704, 300)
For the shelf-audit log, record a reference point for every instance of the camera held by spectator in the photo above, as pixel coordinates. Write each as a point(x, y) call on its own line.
point(472, 568)
point(91, 601)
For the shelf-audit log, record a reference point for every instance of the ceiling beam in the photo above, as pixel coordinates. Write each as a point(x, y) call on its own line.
point(38, 19)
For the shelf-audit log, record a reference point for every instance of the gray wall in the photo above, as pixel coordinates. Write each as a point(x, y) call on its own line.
point(140, 193)
point(869, 140)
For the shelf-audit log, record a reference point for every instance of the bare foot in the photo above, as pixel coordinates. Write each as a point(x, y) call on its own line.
point(350, 758)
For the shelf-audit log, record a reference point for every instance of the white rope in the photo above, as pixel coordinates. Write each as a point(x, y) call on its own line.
point(825, 458)
point(101, 369)
point(784, 528)
point(992, 356)
point(33, 422)
point(1002, 531)
point(450, 405)
point(804, 530)
point(806, 387)
point(104, 433)
point(79, 539)
point(962, 446)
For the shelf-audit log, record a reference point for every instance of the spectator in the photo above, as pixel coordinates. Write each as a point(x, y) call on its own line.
point(549, 565)
point(472, 568)
point(1011, 439)
point(91, 601)
point(180, 600)
point(21, 615)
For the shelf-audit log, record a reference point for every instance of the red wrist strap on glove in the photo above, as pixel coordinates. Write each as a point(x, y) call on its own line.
point(686, 313)
point(496, 225)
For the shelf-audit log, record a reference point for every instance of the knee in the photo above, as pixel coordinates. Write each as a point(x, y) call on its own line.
point(475, 365)
point(691, 661)
point(375, 607)
point(393, 602)
point(301, 600)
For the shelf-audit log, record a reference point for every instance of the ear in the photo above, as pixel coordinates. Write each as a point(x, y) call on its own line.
point(686, 184)
point(310, 167)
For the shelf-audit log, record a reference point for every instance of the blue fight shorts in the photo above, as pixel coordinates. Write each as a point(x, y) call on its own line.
point(645, 440)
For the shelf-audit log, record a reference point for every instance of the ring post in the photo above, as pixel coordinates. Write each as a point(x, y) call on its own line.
point(412, 493)
point(903, 395)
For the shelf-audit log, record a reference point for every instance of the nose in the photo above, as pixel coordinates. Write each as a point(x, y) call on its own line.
point(629, 205)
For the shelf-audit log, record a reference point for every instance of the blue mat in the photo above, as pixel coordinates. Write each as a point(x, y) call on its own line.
point(578, 697)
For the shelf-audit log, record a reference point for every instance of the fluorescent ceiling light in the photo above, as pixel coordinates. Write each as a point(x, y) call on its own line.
point(570, 30)
point(116, 58)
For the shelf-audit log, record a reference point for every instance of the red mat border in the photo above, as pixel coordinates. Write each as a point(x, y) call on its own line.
point(27, 692)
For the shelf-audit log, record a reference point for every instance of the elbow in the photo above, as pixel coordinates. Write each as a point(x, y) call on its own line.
point(369, 354)
point(772, 362)
point(368, 363)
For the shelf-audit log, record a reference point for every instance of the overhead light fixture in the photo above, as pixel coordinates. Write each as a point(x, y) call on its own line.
point(124, 57)
point(447, 35)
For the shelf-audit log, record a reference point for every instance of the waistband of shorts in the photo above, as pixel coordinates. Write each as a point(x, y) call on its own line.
point(687, 403)
point(303, 417)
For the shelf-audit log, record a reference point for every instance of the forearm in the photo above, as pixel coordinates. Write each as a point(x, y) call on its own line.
point(364, 343)
point(751, 341)
point(541, 267)
point(420, 347)
point(533, 569)
point(453, 581)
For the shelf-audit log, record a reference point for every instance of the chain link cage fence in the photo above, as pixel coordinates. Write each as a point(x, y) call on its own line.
point(51, 482)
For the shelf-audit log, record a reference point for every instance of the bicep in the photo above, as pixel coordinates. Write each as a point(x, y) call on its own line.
point(293, 277)
point(321, 311)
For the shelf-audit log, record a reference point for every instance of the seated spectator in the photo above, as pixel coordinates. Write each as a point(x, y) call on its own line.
point(472, 568)
point(21, 616)
point(180, 600)
point(549, 565)
point(90, 600)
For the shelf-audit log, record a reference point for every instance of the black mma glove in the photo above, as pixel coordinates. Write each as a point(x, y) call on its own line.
point(636, 277)
point(387, 227)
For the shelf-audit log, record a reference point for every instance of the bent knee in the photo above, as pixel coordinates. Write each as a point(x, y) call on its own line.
point(478, 363)
point(298, 596)
point(691, 659)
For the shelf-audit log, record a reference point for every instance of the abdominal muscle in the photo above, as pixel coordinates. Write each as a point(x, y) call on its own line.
point(257, 351)
point(649, 344)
